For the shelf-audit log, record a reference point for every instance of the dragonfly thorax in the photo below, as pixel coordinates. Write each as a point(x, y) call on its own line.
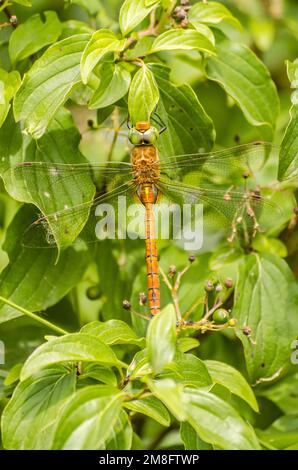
point(145, 163)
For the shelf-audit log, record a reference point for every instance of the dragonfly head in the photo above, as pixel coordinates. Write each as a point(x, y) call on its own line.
point(143, 134)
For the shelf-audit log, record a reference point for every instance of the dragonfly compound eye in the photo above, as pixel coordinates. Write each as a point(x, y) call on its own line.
point(135, 136)
point(150, 136)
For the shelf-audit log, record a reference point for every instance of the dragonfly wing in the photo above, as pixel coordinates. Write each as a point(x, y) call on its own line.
point(219, 166)
point(61, 228)
point(55, 188)
point(239, 212)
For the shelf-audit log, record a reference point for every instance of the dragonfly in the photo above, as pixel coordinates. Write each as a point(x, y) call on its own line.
point(218, 180)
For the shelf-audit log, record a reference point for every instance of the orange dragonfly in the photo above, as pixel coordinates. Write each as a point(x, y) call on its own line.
point(218, 180)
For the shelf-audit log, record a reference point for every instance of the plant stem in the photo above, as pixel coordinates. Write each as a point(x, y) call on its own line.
point(4, 6)
point(34, 316)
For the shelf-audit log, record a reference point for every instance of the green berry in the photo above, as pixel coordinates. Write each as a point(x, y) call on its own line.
point(209, 286)
point(220, 316)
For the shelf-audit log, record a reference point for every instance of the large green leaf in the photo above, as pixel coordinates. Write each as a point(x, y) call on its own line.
point(161, 338)
point(50, 193)
point(112, 332)
point(114, 84)
point(171, 394)
point(133, 12)
point(265, 301)
point(101, 42)
point(150, 406)
point(218, 423)
point(182, 39)
point(32, 278)
point(189, 128)
point(191, 439)
point(283, 393)
point(246, 79)
point(9, 84)
point(37, 32)
point(189, 370)
point(30, 418)
point(49, 83)
point(211, 13)
point(74, 347)
point(143, 95)
point(288, 158)
point(121, 435)
point(282, 434)
point(88, 419)
point(233, 380)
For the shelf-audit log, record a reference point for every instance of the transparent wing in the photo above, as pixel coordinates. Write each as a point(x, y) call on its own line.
point(241, 213)
point(219, 166)
point(57, 228)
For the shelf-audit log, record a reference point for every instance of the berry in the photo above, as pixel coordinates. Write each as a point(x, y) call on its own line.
point(220, 316)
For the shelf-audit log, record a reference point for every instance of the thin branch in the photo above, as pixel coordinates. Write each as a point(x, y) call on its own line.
point(165, 278)
point(34, 316)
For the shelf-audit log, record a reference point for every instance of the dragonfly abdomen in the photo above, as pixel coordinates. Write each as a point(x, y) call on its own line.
point(148, 194)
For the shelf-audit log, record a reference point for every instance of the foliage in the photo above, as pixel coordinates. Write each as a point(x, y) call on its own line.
point(71, 71)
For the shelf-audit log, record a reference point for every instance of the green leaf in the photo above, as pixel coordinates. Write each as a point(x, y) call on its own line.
point(264, 301)
point(50, 194)
point(140, 365)
point(292, 68)
point(189, 370)
point(152, 407)
point(282, 434)
point(283, 393)
point(112, 332)
point(191, 440)
point(218, 423)
point(98, 372)
point(13, 374)
point(133, 12)
point(91, 6)
point(288, 158)
point(189, 128)
point(182, 39)
point(233, 380)
point(212, 13)
point(33, 279)
point(263, 244)
point(37, 32)
point(88, 419)
point(205, 31)
point(101, 42)
point(9, 85)
point(249, 85)
point(26, 3)
point(161, 338)
point(186, 344)
point(74, 347)
point(143, 95)
point(71, 27)
point(122, 434)
point(171, 394)
point(49, 83)
point(29, 420)
point(114, 84)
